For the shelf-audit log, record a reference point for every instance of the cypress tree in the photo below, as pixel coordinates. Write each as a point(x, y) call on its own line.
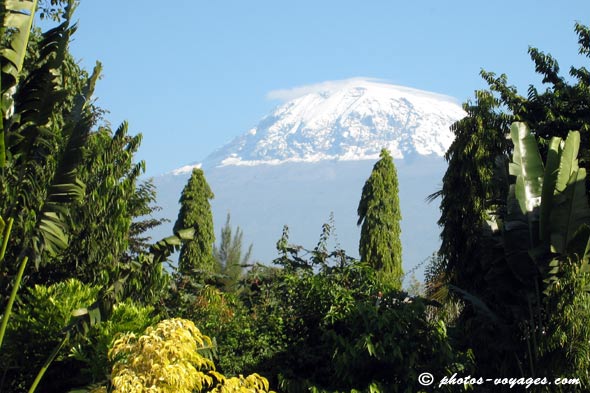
point(195, 212)
point(379, 214)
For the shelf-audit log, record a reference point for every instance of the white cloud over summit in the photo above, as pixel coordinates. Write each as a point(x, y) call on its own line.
point(329, 86)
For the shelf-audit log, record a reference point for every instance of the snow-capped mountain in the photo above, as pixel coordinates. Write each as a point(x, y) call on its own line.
point(312, 155)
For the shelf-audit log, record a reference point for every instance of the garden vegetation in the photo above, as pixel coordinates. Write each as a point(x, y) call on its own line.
point(87, 305)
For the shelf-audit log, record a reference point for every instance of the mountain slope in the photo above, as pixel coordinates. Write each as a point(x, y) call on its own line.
point(311, 156)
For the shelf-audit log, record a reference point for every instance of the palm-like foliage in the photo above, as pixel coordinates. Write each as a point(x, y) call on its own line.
point(17, 19)
point(67, 195)
point(533, 295)
point(497, 253)
point(43, 152)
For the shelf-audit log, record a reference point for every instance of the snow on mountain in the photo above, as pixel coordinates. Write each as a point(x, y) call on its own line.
point(311, 156)
point(351, 120)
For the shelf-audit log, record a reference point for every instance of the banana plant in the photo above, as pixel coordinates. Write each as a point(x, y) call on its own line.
point(17, 19)
point(29, 131)
point(543, 228)
point(551, 201)
point(26, 115)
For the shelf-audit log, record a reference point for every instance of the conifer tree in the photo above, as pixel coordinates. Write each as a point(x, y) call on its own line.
point(229, 255)
point(195, 212)
point(379, 214)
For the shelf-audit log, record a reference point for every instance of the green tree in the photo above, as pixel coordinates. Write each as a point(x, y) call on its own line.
point(101, 233)
point(142, 206)
point(195, 212)
point(534, 305)
point(51, 9)
point(379, 214)
point(334, 326)
point(101, 223)
point(490, 255)
point(230, 256)
point(51, 160)
point(482, 137)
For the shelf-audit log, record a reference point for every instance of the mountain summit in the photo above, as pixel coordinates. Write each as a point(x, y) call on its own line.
point(327, 138)
point(346, 120)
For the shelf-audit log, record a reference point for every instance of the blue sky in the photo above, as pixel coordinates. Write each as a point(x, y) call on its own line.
point(192, 76)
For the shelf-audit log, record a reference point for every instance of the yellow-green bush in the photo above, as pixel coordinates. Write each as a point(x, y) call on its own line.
point(171, 357)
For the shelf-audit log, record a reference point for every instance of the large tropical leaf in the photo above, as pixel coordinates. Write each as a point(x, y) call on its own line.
point(523, 205)
point(552, 164)
point(65, 188)
point(569, 205)
point(16, 18)
point(569, 161)
point(570, 211)
point(165, 247)
point(31, 132)
point(517, 240)
point(31, 138)
point(527, 166)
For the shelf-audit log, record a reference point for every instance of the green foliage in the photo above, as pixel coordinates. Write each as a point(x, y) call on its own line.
point(339, 328)
point(38, 326)
point(505, 239)
point(5, 229)
point(53, 161)
point(564, 350)
point(126, 317)
point(389, 343)
point(515, 249)
point(17, 19)
point(44, 148)
point(101, 223)
point(52, 9)
point(141, 206)
point(534, 303)
point(379, 214)
point(482, 136)
point(224, 317)
point(436, 289)
point(479, 139)
point(72, 192)
point(229, 256)
point(195, 212)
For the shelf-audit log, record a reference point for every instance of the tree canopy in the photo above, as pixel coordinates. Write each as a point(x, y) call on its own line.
point(195, 212)
point(379, 216)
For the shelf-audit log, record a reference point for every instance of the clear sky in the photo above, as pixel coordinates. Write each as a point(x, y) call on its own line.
point(191, 75)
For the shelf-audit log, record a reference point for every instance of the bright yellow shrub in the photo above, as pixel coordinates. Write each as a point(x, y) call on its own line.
point(166, 359)
point(252, 383)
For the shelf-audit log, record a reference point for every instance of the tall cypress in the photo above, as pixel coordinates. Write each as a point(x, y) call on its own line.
point(195, 212)
point(380, 216)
